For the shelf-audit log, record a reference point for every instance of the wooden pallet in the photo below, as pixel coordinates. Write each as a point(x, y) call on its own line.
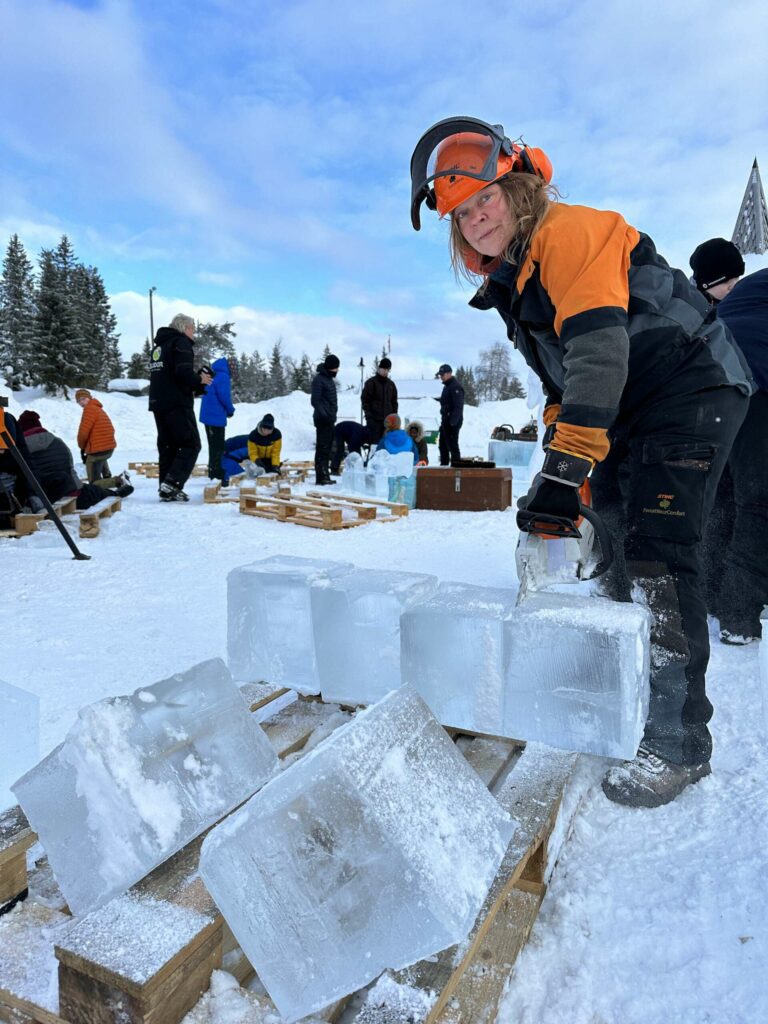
point(321, 511)
point(111, 970)
point(28, 522)
point(151, 470)
point(90, 520)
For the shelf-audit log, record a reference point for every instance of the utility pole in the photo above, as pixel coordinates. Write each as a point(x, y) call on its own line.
point(389, 344)
point(151, 318)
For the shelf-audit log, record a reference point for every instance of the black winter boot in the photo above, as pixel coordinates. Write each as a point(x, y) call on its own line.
point(650, 781)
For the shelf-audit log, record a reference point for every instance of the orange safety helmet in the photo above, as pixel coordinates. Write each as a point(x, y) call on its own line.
point(470, 155)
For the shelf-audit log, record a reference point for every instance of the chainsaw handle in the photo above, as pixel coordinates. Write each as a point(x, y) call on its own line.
point(604, 538)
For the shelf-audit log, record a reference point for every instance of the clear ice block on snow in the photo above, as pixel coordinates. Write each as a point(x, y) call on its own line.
point(375, 850)
point(19, 737)
point(453, 652)
point(139, 776)
point(578, 671)
point(566, 670)
point(356, 623)
point(269, 621)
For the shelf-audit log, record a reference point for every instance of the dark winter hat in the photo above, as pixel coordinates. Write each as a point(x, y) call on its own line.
point(445, 368)
point(331, 362)
point(715, 261)
point(29, 420)
point(385, 363)
point(267, 421)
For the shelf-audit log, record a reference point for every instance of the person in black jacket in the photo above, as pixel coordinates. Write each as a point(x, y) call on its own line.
point(173, 384)
point(451, 415)
point(379, 399)
point(14, 490)
point(736, 556)
point(325, 405)
point(51, 462)
point(348, 436)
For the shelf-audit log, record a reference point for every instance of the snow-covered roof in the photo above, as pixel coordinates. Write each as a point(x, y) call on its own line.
point(128, 385)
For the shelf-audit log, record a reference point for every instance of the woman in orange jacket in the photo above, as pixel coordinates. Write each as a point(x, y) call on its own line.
point(644, 390)
point(95, 436)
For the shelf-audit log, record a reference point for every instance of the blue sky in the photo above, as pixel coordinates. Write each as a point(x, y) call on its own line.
point(249, 158)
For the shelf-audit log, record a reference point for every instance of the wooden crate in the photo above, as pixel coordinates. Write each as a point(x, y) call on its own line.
point(16, 837)
point(463, 489)
point(112, 971)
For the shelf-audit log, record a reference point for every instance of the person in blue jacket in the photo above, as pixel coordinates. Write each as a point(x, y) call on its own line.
point(395, 439)
point(215, 409)
point(735, 547)
point(235, 453)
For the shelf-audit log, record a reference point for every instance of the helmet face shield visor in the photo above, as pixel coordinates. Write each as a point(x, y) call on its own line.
point(476, 156)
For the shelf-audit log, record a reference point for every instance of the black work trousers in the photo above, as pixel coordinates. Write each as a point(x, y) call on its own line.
point(215, 438)
point(736, 539)
point(178, 445)
point(449, 442)
point(323, 445)
point(375, 429)
point(655, 491)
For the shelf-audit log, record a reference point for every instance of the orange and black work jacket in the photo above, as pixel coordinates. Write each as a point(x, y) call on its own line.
point(607, 325)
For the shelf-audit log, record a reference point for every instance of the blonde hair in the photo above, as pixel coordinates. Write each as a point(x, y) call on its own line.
point(528, 197)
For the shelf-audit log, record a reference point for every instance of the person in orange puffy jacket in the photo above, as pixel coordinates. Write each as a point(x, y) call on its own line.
point(95, 436)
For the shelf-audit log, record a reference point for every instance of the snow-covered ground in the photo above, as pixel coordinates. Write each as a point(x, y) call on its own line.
point(651, 917)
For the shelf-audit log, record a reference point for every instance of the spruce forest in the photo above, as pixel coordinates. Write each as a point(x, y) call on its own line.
point(58, 332)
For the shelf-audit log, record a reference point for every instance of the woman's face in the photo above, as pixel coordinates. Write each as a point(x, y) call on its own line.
point(486, 222)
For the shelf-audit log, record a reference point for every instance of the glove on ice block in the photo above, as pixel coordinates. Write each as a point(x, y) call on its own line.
point(19, 737)
point(138, 777)
point(356, 623)
point(566, 670)
point(269, 620)
point(376, 849)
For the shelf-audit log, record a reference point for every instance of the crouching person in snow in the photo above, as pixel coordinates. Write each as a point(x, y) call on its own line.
point(645, 390)
point(14, 490)
point(264, 445)
point(395, 439)
point(51, 462)
point(95, 436)
point(348, 436)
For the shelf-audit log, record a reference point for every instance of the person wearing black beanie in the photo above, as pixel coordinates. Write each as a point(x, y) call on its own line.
point(735, 554)
point(325, 405)
point(379, 399)
point(717, 265)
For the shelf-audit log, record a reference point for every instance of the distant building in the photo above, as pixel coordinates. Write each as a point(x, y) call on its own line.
point(751, 232)
point(129, 386)
point(429, 388)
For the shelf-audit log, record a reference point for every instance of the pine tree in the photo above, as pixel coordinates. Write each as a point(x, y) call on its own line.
point(136, 367)
point(214, 341)
point(511, 388)
point(276, 384)
point(302, 380)
point(260, 378)
point(466, 377)
point(17, 317)
point(56, 366)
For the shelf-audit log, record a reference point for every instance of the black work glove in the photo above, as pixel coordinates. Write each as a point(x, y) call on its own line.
point(83, 456)
point(551, 498)
point(555, 490)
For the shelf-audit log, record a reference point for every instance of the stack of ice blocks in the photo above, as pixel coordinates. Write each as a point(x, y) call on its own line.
point(565, 670)
point(138, 777)
point(356, 623)
point(269, 620)
point(19, 738)
point(522, 456)
point(375, 850)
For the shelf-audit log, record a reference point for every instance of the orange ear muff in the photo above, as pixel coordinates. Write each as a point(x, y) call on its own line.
point(536, 161)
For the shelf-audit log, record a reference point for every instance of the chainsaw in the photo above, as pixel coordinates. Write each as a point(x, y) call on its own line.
point(553, 549)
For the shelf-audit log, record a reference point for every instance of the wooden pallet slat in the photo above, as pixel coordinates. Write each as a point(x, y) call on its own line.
point(16, 837)
point(90, 520)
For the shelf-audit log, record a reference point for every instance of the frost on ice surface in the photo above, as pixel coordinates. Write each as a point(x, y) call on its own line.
point(565, 670)
point(136, 780)
point(375, 850)
point(356, 623)
point(19, 737)
point(269, 620)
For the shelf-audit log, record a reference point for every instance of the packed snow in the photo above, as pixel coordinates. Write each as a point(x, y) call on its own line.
point(651, 916)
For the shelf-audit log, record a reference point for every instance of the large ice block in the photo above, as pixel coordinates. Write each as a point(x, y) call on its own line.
point(19, 737)
point(269, 622)
point(453, 652)
point(376, 849)
point(578, 670)
point(567, 670)
point(517, 454)
point(356, 623)
point(139, 776)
